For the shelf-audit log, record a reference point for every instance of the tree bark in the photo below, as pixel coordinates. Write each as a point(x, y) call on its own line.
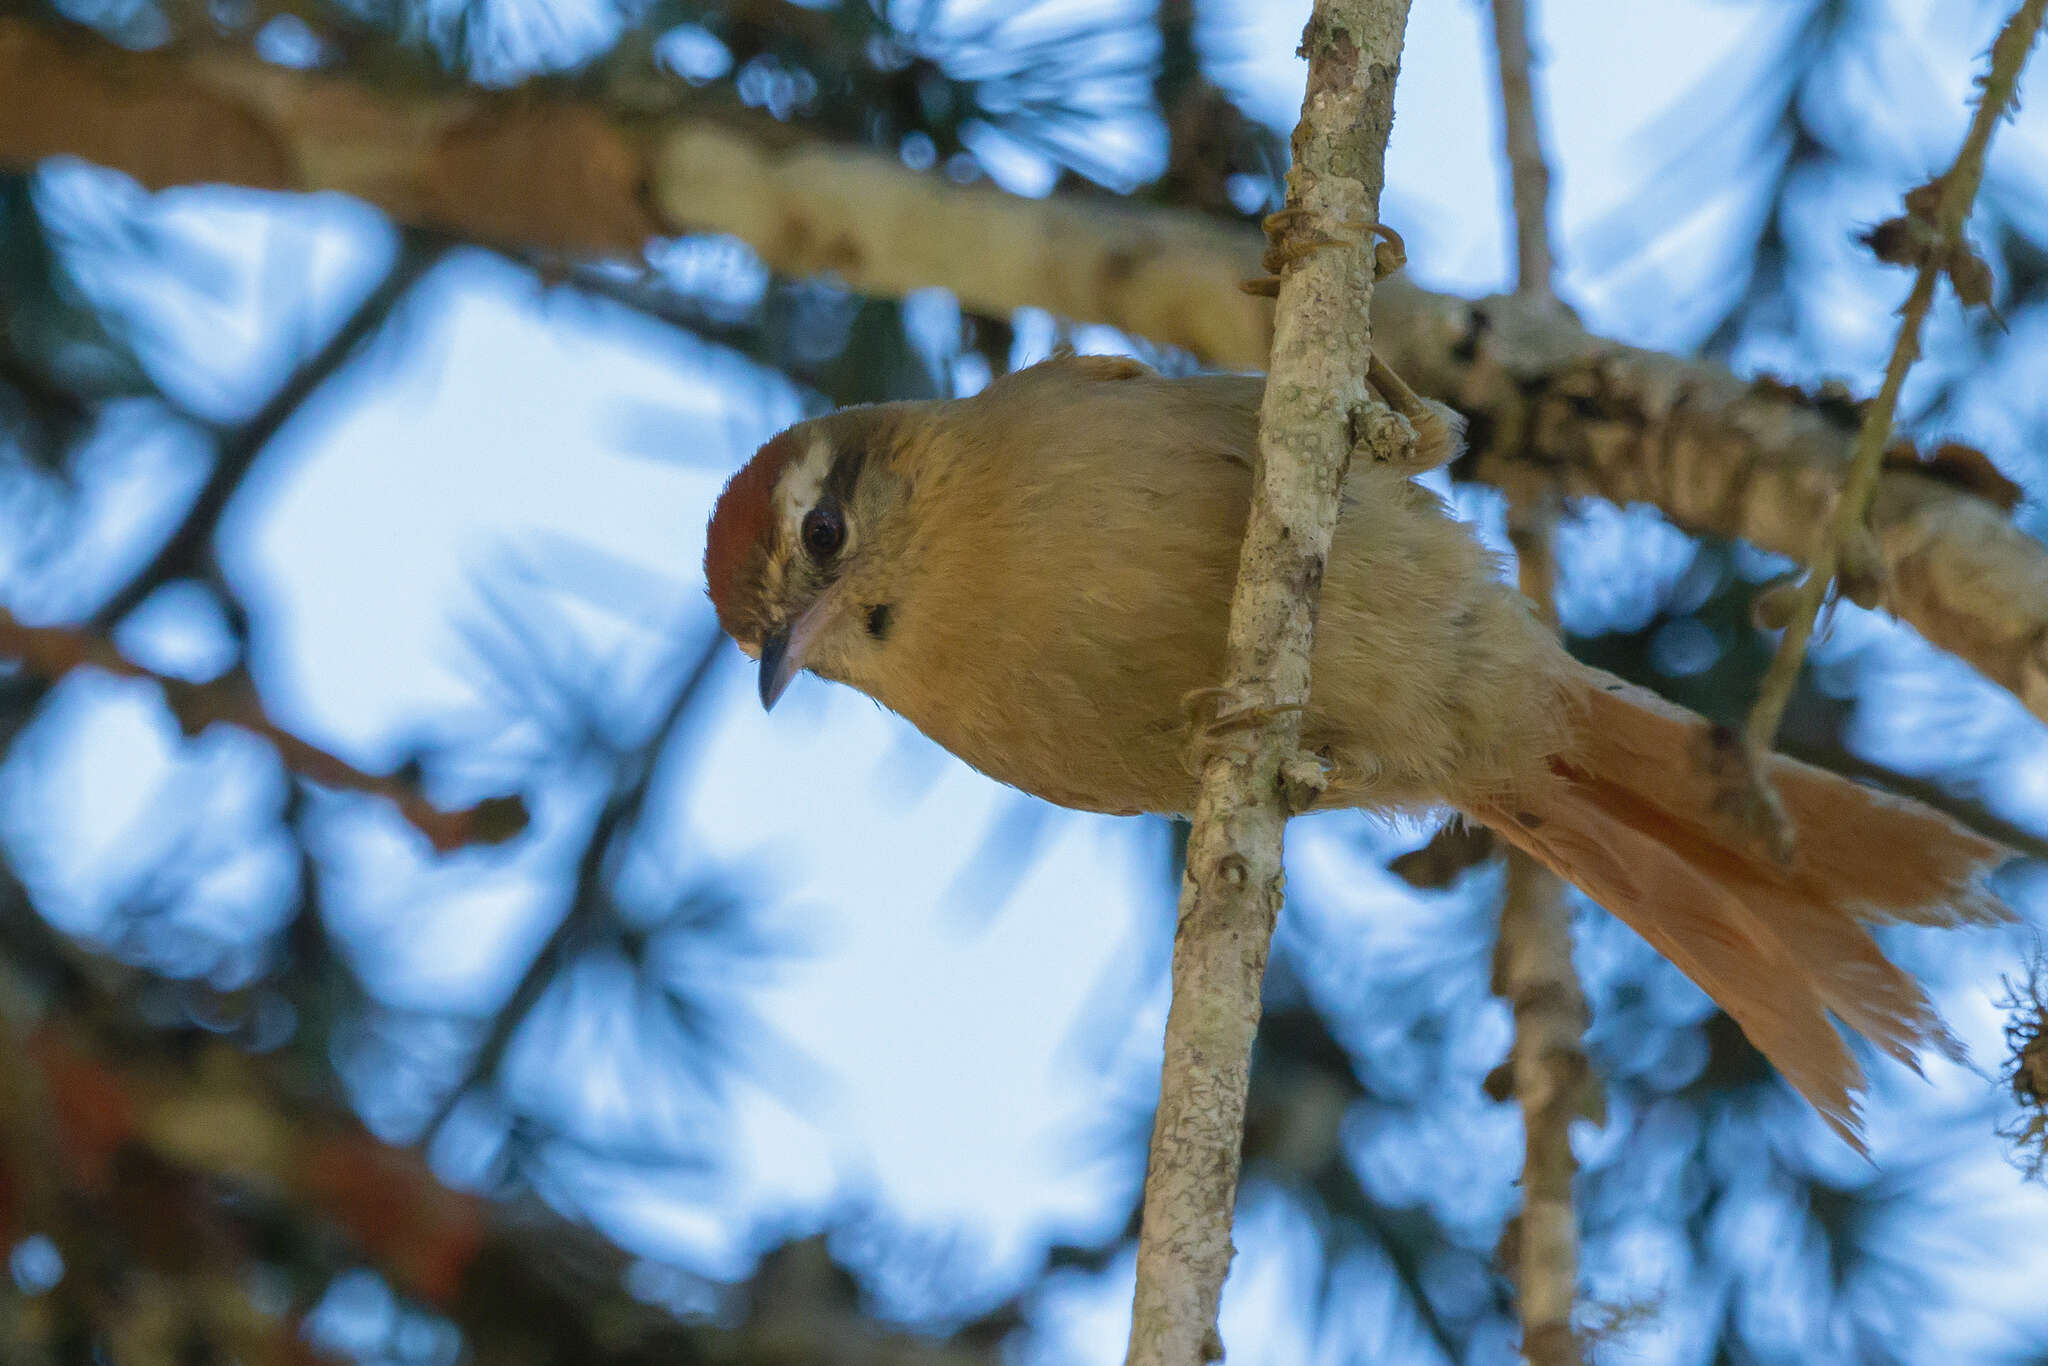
point(1253, 774)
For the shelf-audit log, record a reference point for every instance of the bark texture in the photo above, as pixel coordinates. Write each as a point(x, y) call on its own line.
point(1717, 455)
point(1253, 775)
point(1720, 456)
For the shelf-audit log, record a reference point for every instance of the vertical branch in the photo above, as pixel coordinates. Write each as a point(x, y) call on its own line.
point(1253, 777)
point(1532, 970)
point(1532, 966)
point(1930, 236)
point(1522, 140)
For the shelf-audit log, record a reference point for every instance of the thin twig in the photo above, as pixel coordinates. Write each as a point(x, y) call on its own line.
point(1931, 235)
point(1521, 133)
point(53, 652)
point(1532, 971)
point(1254, 777)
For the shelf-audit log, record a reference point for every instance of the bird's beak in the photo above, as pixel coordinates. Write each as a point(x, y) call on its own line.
point(783, 651)
point(779, 664)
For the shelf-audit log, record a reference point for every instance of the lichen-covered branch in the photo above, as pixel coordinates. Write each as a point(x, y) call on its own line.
point(1929, 236)
point(53, 652)
point(1755, 462)
point(1752, 461)
point(1253, 775)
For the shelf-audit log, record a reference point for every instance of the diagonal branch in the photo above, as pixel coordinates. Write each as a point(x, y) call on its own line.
point(1718, 455)
point(1253, 773)
point(53, 652)
point(1931, 234)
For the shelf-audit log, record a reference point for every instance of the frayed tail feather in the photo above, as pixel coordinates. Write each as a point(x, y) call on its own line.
point(1637, 818)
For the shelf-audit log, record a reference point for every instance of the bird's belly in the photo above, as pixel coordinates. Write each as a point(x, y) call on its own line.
point(1085, 767)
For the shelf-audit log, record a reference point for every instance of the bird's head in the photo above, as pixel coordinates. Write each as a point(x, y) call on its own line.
point(796, 558)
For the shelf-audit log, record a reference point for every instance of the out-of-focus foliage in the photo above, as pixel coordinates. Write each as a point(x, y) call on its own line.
point(583, 1025)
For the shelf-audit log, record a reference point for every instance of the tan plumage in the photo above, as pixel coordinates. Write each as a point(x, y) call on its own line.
point(1038, 577)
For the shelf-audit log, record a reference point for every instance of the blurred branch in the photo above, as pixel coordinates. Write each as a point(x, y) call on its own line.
point(1755, 462)
point(1532, 971)
point(1529, 173)
point(1929, 235)
point(1210, 141)
point(53, 652)
point(590, 901)
point(546, 172)
point(1552, 1078)
point(184, 551)
point(1304, 1086)
point(540, 170)
point(138, 1113)
point(1253, 774)
point(523, 1283)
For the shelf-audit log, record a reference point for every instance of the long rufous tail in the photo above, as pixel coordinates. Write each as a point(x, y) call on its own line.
point(1639, 819)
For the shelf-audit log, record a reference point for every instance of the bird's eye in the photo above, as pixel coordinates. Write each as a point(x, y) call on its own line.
point(824, 531)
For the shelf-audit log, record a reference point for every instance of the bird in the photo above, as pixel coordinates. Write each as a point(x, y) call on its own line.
point(1038, 576)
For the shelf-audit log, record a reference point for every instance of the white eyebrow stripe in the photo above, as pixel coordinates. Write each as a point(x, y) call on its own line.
point(803, 483)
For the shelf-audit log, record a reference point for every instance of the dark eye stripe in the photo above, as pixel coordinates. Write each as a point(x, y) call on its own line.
point(844, 474)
